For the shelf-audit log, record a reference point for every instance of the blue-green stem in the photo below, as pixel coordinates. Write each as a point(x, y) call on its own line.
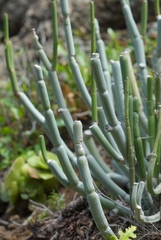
point(138, 46)
point(157, 103)
point(120, 169)
point(43, 148)
point(6, 28)
point(107, 104)
point(157, 92)
point(153, 157)
point(127, 71)
point(55, 86)
point(105, 180)
point(117, 178)
point(36, 115)
point(71, 54)
point(92, 196)
point(53, 165)
point(103, 126)
point(157, 7)
point(130, 151)
point(89, 141)
point(57, 171)
point(118, 91)
point(137, 195)
point(55, 34)
point(93, 49)
point(80, 82)
point(131, 115)
point(139, 153)
point(67, 118)
point(64, 111)
point(156, 57)
point(54, 134)
point(144, 17)
point(103, 58)
point(59, 147)
point(22, 96)
point(105, 144)
point(41, 53)
point(156, 64)
point(61, 176)
point(9, 56)
point(150, 105)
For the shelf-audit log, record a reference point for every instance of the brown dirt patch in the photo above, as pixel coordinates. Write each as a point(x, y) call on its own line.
point(73, 223)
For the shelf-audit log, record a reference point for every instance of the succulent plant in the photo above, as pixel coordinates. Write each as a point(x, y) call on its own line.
point(126, 121)
point(28, 178)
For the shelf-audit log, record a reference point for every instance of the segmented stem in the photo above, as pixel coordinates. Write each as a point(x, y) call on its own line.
point(93, 49)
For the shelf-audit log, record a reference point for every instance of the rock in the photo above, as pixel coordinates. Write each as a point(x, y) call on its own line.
point(109, 13)
point(25, 15)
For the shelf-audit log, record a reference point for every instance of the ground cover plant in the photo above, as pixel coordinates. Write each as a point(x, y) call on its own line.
point(126, 121)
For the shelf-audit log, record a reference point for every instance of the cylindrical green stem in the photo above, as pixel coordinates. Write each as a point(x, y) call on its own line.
point(103, 58)
point(144, 16)
point(138, 142)
point(152, 163)
point(118, 91)
point(6, 28)
point(151, 117)
point(130, 152)
point(80, 82)
point(102, 140)
point(43, 148)
point(138, 45)
point(55, 34)
point(53, 165)
point(117, 131)
point(157, 92)
point(9, 56)
point(93, 49)
point(71, 54)
point(157, 103)
point(92, 196)
point(157, 7)
point(89, 141)
point(156, 57)
point(93, 35)
point(41, 53)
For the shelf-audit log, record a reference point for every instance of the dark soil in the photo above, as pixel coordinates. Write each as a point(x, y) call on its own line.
point(73, 222)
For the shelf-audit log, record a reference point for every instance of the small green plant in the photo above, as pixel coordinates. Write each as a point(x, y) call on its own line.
point(28, 178)
point(128, 234)
point(55, 201)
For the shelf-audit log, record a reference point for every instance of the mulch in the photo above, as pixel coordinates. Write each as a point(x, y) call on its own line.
point(72, 223)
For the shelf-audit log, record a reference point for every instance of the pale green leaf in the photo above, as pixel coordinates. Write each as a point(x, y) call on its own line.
point(43, 174)
point(128, 234)
point(37, 162)
point(4, 193)
point(24, 196)
point(14, 172)
point(50, 155)
point(13, 192)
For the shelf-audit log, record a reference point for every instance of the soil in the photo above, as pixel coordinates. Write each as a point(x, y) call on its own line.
point(73, 222)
